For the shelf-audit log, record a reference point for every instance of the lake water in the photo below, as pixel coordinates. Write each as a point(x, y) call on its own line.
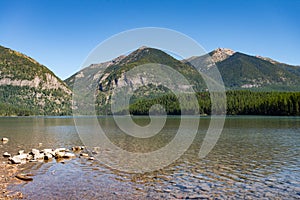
point(255, 158)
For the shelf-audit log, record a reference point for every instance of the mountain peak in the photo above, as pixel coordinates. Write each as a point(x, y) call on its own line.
point(224, 50)
point(221, 54)
point(147, 55)
point(143, 47)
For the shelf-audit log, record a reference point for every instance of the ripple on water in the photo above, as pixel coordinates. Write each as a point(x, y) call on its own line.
point(253, 159)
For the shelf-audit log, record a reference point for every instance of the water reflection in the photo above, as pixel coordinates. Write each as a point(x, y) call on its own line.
point(255, 157)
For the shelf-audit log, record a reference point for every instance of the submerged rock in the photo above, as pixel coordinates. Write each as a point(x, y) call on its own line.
point(24, 177)
point(96, 150)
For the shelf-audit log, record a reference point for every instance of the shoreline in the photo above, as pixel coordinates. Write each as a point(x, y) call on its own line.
point(7, 177)
point(12, 168)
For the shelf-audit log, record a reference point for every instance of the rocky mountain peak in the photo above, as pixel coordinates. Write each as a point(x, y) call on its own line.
point(221, 54)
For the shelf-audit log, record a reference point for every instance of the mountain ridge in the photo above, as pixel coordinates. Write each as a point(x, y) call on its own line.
point(29, 88)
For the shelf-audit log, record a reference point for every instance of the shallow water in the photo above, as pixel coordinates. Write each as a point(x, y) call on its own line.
point(255, 157)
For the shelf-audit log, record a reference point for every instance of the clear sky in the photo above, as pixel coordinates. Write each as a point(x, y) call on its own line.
point(61, 33)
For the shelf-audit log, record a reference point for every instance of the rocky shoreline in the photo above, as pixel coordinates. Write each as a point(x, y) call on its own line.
point(7, 174)
point(12, 165)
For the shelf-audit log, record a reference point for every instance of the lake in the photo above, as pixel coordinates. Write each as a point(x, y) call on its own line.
point(255, 157)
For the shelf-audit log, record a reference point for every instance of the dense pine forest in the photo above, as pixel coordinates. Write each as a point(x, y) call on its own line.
point(25, 101)
point(238, 103)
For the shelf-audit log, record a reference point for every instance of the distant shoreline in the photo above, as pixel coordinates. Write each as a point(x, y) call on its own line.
point(146, 116)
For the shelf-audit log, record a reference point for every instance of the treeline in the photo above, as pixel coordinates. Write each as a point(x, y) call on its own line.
point(10, 110)
point(263, 103)
point(238, 103)
point(25, 101)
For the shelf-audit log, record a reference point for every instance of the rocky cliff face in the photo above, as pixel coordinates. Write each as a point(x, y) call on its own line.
point(50, 83)
point(221, 54)
point(29, 88)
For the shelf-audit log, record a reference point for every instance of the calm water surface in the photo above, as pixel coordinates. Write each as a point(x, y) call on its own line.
point(255, 158)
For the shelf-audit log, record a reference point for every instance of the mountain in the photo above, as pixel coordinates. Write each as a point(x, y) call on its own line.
point(241, 71)
point(29, 88)
point(115, 75)
point(149, 81)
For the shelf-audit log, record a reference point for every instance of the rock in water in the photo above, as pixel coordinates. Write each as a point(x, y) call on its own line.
point(16, 160)
point(84, 155)
point(59, 150)
point(45, 151)
point(48, 156)
point(23, 156)
point(39, 156)
point(59, 154)
point(21, 152)
point(6, 154)
point(77, 148)
point(4, 139)
point(91, 158)
point(69, 155)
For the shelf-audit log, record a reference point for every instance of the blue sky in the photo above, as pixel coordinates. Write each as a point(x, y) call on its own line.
point(61, 33)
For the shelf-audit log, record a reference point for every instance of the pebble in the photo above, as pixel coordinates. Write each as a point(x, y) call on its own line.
point(205, 187)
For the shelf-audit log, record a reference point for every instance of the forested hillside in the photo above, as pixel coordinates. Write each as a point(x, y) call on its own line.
point(29, 88)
